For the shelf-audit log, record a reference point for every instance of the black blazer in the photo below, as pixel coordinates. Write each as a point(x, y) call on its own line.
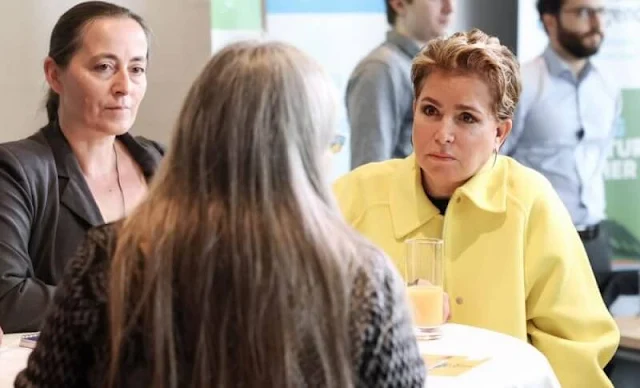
point(46, 209)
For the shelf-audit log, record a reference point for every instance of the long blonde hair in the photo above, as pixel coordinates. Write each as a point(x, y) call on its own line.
point(237, 269)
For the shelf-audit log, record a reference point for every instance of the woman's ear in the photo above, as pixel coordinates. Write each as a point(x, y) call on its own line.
point(52, 74)
point(503, 130)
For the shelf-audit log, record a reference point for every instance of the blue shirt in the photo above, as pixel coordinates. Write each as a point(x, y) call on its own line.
point(379, 101)
point(564, 127)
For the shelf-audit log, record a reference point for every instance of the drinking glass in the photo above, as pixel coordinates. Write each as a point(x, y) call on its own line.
point(424, 277)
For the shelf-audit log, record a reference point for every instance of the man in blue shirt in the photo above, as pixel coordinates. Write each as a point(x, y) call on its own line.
point(566, 119)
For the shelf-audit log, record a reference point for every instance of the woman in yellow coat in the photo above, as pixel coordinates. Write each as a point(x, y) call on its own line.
point(514, 261)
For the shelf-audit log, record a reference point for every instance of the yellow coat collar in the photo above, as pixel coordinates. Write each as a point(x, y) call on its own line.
point(410, 207)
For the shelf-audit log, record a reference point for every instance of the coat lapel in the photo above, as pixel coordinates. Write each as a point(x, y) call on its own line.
point(410, 208)
point(73, 189)
point(77, 197)
point(148, 158)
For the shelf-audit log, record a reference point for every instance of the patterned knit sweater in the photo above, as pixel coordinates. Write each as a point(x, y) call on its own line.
point(72, 348)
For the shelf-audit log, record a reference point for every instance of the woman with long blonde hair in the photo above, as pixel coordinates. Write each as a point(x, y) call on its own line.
point(238, 270)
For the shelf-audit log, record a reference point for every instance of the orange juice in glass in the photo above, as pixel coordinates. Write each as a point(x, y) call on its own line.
point(424, 276)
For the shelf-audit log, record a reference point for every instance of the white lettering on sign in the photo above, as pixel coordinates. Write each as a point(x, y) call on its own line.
point(621, 169)
point(623, 160)
point(626, 148)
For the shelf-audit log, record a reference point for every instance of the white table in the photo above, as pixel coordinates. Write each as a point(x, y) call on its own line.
point(512, 364)
point(13, 359)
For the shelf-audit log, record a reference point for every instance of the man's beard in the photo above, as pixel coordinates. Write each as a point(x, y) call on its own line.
point(572, 42)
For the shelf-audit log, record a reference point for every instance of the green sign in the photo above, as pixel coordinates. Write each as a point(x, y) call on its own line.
point(622, 184)
point(236, 14)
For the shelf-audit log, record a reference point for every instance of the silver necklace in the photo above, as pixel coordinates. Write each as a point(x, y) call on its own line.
point(115, 153)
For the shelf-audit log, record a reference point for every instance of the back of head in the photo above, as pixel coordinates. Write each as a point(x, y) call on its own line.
point(391, 13)
point(231, 265)
point(551, 7)
point(66, 37)
point(476, 53)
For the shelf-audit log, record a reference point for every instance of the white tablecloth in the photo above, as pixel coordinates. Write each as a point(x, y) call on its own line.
point(512, 364)
point(13, 359)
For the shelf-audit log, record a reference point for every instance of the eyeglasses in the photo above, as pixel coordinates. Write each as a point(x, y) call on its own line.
point(586, 12)
point(337, 143)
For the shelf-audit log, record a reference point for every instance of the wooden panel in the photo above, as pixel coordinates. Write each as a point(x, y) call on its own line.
point(629, 332)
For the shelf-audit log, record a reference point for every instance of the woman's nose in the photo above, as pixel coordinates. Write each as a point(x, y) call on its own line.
point(444, 133)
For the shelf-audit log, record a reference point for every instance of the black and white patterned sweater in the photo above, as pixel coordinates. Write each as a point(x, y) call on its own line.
point(72, 348)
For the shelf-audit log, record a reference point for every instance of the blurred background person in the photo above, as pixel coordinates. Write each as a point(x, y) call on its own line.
point(566, 120)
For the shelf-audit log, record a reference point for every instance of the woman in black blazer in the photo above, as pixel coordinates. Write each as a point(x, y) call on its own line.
point(83, 168)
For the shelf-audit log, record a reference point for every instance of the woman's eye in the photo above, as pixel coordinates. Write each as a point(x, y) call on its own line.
point(430, 110)
point(103, 67)
point(468, 118)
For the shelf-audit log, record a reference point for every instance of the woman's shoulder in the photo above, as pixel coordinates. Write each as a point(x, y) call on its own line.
point(523, 179)
point(31, 151)
point(376, 277)
point(373, 173)
point(527, 186)
point(28, 159)
point(370, 184)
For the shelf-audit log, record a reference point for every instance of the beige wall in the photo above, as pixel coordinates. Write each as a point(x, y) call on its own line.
point(180, 47)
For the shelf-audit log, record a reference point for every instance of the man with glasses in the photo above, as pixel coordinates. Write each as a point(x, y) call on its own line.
point(379, 94)
point(567, 117)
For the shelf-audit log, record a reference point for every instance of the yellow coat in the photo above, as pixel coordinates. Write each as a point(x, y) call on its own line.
point(514, 261)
